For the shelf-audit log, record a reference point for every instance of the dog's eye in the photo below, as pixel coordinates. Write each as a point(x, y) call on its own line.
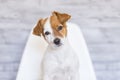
point(60, 28)
point(47, 33)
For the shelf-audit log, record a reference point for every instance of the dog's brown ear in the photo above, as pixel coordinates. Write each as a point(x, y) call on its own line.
point(63, 17)
point(38, 28)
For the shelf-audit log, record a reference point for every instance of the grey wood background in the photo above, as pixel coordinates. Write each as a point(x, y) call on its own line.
point(99, 21)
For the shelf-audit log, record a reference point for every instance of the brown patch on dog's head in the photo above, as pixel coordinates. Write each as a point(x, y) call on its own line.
point(62, 17)
point(38, 30)
point(58, 23)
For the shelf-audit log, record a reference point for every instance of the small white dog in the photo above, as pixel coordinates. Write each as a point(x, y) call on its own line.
point(60, 61)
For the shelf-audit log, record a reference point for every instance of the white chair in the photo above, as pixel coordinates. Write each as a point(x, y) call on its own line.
point(30, 64)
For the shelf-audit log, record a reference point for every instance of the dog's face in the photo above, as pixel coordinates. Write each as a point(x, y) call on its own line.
point(53, 29)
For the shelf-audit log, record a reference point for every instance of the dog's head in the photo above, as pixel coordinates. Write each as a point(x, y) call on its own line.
point(53, 28)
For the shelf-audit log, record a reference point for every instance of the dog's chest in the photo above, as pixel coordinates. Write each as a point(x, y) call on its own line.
point(61, 58)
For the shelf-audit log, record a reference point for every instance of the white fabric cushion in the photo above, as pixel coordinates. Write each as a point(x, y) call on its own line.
point(30, 64)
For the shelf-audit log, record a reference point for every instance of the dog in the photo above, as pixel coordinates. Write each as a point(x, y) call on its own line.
point(60, 61)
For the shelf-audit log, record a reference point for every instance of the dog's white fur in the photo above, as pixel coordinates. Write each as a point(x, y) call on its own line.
point(59, 63)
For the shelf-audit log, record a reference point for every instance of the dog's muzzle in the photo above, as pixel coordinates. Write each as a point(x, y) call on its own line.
point(57, 41)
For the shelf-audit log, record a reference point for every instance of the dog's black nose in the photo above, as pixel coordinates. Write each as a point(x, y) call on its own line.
point(57, 41)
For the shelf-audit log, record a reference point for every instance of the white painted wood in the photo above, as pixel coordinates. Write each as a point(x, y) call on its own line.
point(30, 64)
